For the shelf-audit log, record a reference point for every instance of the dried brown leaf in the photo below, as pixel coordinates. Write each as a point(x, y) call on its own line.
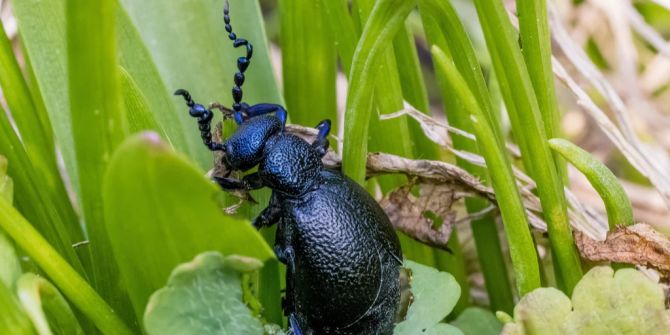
point(638, 244)
point(428, 218)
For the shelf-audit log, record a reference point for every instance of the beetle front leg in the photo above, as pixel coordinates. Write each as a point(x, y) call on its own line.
point(249, 182)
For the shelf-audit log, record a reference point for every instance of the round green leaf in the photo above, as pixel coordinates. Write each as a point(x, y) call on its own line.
point(435, 295)
point(202, 297)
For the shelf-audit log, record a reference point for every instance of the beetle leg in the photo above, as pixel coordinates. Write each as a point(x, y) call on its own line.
point(204, 117)
point(270, 215)
point(261, 109)
point(249, 182)
point(321, 142)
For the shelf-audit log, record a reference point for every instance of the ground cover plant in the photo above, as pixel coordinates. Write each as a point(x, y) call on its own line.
point(518, 147)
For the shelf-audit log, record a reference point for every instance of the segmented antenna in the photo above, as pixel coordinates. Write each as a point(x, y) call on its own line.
point(204, 117)
point(242, 62)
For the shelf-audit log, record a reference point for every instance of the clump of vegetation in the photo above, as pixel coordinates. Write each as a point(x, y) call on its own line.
point(108, 223)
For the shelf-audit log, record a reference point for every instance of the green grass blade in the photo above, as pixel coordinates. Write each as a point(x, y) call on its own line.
point(309, 63)
point(617, 203)
point(413, 90)
point(136, 60)
point(137, 107)
point(98, 125)
point(40, 193)
point(528, 129)
point(42, 30)
point(522, 249)
point(73, 286)
point(161, 211)
point(37, 138)
point(343, 30)
point(385, 20)
point(392, 136)
point(443, 28)
point(536, 44)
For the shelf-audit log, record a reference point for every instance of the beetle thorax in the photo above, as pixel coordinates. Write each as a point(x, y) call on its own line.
point(290, 165)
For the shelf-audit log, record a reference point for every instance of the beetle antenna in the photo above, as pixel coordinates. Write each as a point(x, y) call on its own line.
point(204, 117)
point(242, 62)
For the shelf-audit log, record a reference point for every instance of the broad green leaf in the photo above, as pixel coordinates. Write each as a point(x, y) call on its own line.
point(13, 319)
point(161, 211)
point(435, 295)
point(46, 307)
point(73, 286)
point(477, 321)
point(202, 297)
point(443, 329)
point(603, 302)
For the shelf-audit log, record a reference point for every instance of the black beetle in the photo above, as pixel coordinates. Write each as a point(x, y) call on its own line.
point(343, 257)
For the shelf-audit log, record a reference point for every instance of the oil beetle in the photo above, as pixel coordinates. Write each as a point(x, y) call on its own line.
point(342, 255)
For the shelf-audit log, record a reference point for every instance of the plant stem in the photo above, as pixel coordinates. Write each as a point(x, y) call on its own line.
point(522, 249)
point(527, 125)
point(536, 44)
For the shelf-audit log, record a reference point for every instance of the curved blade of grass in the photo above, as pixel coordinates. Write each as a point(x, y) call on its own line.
point(536, 44)
point(309, 63)
point(444, 29)
point(46, 307)
point(528, 129)
point(522, 249)
point(161, 211)
point(385, 19)
point(73, 286)
point(617, 203)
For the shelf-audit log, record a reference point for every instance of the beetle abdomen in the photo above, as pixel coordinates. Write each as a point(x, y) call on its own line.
point(346, 259)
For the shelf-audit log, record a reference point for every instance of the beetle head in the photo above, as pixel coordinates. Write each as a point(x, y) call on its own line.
point(244, 148)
